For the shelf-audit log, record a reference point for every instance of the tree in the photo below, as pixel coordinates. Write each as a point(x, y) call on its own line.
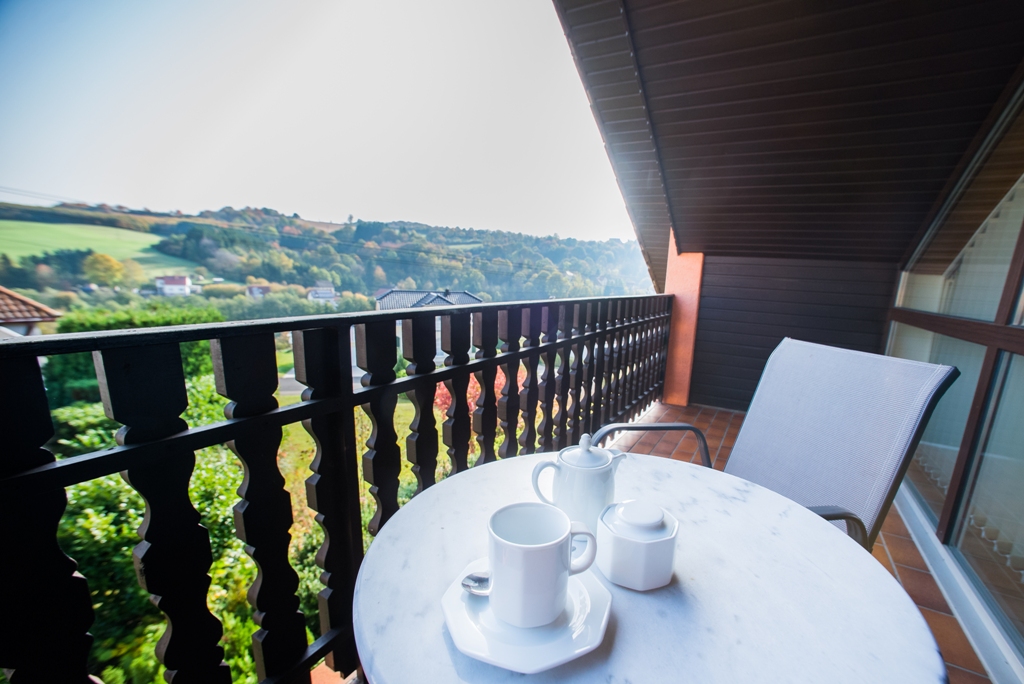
point(103, 269)
point(133, 273)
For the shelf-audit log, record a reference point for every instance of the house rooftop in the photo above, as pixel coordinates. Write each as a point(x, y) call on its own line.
point(174, 280)
point(414, 299)
point(16, 308)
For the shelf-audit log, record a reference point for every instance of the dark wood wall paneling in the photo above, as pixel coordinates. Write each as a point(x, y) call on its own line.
point(747, 305)
point(801, 129)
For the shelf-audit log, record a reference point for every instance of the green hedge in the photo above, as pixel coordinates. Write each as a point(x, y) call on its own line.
point(72, 377)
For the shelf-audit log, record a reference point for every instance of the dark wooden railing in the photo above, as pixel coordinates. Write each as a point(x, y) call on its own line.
point(587, 363)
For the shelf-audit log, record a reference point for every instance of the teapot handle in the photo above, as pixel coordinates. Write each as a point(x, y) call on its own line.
point(536, 479)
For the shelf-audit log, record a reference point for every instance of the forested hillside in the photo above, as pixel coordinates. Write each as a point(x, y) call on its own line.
point(362, 256)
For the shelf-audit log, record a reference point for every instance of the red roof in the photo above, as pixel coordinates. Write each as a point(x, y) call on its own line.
point(16, 308)
point(174, 280)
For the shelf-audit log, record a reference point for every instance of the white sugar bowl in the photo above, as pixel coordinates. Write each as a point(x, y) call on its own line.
point(636, 542)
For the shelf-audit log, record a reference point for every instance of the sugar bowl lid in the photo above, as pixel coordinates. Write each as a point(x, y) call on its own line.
point(585, 455)
point(640, 520)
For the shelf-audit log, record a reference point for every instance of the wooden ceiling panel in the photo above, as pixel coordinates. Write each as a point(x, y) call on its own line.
point(815, 33)
point(791, 128)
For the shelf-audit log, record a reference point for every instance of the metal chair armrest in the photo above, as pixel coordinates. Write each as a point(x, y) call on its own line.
point(854, 525)
point(702, 443)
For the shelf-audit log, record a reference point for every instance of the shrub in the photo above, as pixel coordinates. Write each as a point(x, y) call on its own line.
point(72, 377)
point(222, 291)
point(99, 528)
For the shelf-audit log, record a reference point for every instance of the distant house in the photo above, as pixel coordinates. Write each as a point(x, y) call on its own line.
point(257, 291)
point(323, 292)
point(22, 315)
point(174, 286)
point(414, 299)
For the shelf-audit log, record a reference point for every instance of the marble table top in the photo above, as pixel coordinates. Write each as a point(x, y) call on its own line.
point(763, 590)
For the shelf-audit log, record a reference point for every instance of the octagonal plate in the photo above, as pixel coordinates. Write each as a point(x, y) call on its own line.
point(478, 634)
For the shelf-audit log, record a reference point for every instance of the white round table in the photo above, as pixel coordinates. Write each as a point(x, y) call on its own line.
point(763, 590)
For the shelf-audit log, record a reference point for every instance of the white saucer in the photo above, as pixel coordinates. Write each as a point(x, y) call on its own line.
point(479, 634)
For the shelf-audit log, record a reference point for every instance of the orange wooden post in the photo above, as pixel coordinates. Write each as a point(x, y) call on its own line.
point(682, 280)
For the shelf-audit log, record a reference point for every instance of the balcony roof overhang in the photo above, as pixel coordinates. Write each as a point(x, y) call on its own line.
point(790, 129)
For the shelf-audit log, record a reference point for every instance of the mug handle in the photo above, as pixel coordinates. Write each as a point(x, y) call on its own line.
point(578, 529)
point(536, 480)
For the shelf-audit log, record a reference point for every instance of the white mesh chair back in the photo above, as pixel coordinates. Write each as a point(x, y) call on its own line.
point(834, 427)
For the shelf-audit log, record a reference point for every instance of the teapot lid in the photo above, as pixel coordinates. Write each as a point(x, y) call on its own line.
point(585, 455)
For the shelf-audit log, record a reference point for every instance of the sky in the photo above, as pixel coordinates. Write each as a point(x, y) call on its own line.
point(450, 112)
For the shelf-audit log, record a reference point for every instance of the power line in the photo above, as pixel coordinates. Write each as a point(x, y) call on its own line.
point(38, 195)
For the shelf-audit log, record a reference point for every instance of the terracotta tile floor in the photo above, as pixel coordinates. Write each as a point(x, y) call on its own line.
point(894, 548)
point(322, 674)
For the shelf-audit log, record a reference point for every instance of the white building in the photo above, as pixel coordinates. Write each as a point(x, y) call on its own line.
point(174, 286)
point(323, 292)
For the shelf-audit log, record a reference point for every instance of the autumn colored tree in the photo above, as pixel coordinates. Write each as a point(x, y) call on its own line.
point(103, 269)
point(133, 273)
point(443, 399)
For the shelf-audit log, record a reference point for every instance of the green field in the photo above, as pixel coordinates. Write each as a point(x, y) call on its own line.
point(26, 238)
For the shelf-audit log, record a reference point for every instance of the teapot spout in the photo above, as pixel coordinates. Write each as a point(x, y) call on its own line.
point(617, 458)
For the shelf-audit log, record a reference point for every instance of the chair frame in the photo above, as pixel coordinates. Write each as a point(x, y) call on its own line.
point(855, 527)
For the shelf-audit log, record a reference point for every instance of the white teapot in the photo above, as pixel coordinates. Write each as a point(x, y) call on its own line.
point(584, 480)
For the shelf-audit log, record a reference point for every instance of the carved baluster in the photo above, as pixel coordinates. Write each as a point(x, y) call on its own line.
point(638, 359)
point(601, 348)
point(614, 360)
point(630, 337)
point(612, 363)
point(601, 367)
point(599, 400)
point(656, 349)
point(650, 355)
point(382, 463)
point(621, 356)
point(628, 350)
point(577, 372)
point(643, 366)
point(144, 389)
point(624, 359)
point(561, 419)
point(46, 607)
point(419, 346)
point(323, 363)
point(510, 329)
point(586, 369)
point(245, 370)
point(622, 375)
point(455, 340)
point(528, 397)
point(645, 353)
point(547, 386)
point(485, 415)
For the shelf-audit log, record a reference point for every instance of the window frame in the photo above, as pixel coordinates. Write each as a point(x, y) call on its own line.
point(1001, 335)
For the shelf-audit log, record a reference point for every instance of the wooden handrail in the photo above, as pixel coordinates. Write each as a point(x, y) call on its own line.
point(603, 361)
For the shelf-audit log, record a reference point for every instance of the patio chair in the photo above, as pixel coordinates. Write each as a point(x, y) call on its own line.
point(832, 429)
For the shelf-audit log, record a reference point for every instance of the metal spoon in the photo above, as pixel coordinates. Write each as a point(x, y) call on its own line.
point(477, 583)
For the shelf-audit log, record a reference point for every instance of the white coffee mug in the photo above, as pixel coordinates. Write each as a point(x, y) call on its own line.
point(530, 555)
